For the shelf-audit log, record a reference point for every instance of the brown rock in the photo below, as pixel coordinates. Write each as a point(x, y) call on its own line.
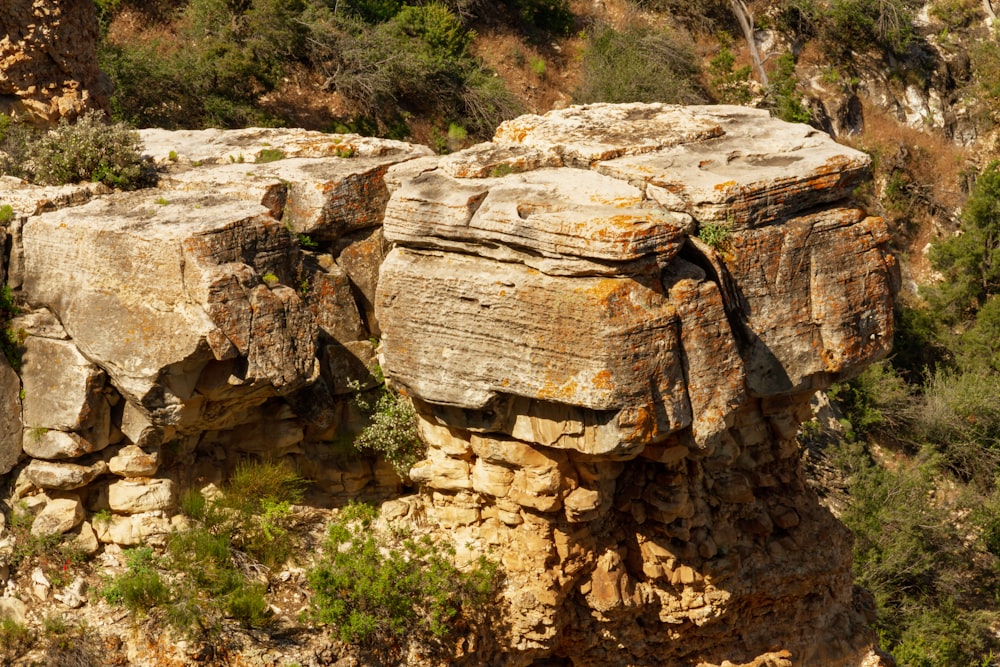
point(48, 60)
point(10, 417)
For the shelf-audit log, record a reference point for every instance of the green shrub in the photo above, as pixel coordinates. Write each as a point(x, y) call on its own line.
point(269, 155)
point(212, 570)
point(783, 96)
point(731, 85)
point(6, 214)
point(417, 61)
point(960, 415)
point(391, 432)
point(87, 150)
point(211, 70)
point(381, 593)
point(859, 24)
point(877, 401)
point(15, 640)
point(552, 16)
point(140, 587)
point(910, 553)
point(984, 58)
point(11, 340)
point(955, 13)
point(970, 261)
point(374, 11)
point(715, 235)
point(254, 483)
point(637, 64)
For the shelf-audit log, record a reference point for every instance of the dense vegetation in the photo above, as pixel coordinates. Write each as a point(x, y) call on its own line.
point(927, 528)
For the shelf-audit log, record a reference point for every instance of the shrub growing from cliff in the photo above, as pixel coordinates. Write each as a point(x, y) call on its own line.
point(211, 571)
point(89, 149)
point(391, 432)
point(384, 591)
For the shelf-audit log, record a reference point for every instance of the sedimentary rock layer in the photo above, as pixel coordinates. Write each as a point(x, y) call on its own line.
point(611, 320)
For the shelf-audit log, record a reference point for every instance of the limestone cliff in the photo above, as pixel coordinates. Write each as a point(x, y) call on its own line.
point(610, 320)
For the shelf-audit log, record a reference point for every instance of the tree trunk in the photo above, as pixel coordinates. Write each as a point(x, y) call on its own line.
point(745, 18)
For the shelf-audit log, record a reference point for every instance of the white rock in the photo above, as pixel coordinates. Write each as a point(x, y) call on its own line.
point(59, 516)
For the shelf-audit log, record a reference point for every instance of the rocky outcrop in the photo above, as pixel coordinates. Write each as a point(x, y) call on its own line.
point(610, 321)
point(611, 401)
point(51, 41)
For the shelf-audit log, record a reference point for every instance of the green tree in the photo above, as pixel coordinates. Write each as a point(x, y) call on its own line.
point(638, 64)
point(859, 24)
point(970, 261)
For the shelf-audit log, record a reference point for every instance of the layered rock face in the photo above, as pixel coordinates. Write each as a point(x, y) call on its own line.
point(611, 401)
point(170, 332)
point(51, 41)
point(610, 320)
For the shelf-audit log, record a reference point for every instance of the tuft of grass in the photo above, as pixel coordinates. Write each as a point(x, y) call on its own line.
point(269, 155)
point(140, 587)
point(716, 235)
point(15, 640)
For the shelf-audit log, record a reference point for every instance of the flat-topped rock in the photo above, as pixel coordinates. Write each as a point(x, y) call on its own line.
point(583, 135)
point(152, 291)
point(757, 171)
point(564, 268)
point(256, 144)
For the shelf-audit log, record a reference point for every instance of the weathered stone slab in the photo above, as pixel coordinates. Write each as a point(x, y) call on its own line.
point(62, 388)
point(132, 461)
point(715, 377)
point(43, 443)
point(556, 213)
point(811, 308)
point(756, 173)
point(463, 330)
point(60, 476)
point(59, 516)
point(135, 496)
point(332, 303)
point(586, 134)
point(153, 292)
point(212, 146)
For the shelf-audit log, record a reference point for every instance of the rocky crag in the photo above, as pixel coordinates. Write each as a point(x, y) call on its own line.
point(610, 321)
point(48, 60)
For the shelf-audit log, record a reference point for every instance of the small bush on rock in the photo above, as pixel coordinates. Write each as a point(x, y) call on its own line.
point(392, 432)
point(88, 150)
point(383, 591)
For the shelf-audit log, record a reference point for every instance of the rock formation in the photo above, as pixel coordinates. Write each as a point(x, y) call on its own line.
point(613, 400)
point(55, 42)
point(610, 321)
